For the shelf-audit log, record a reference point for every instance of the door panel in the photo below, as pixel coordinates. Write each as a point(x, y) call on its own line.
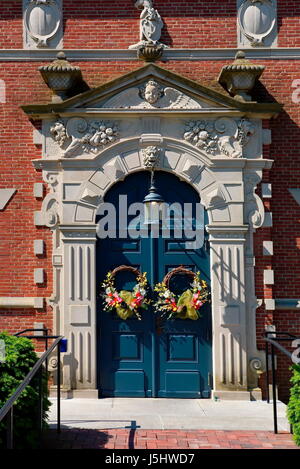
point(137, 358)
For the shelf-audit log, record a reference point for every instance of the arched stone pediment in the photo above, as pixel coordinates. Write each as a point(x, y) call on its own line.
point(166, 91)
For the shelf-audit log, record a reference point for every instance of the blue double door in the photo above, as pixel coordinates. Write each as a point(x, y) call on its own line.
point(147, 358)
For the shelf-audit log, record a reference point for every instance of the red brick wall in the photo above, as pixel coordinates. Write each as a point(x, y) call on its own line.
point(285, 233)
point(108, 24)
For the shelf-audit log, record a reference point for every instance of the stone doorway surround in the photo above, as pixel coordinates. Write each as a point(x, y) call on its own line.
point(207, 139)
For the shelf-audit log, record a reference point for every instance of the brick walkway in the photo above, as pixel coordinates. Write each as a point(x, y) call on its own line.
point(166, 439)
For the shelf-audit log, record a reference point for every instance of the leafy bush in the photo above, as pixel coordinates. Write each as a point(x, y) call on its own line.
point(19, 360)
point(293, 411)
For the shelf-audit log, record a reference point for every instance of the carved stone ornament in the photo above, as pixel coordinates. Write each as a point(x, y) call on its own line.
point(257, 20)
point(50, 211)
point(80, 134)
point(151, 156)
point(150, 52)
point(152, 96)
point(256, 365)
point(151, 24)
point(51, 178)
point(254, 207)
point(60, 76)
point(42, 20)
point(239, 78)
point(225, 136)
point(151, 92)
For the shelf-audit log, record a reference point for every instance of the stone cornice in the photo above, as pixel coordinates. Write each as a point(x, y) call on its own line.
point(47, 165)
point(262, 53)
point(259, 164)
point(81, 233)
point(254, 110)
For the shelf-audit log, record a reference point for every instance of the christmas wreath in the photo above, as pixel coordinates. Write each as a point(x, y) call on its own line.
point(186, 305)
point(125, 303)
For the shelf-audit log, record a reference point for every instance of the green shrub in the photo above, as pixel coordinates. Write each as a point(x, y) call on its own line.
point(19, 360)
point(293, 410)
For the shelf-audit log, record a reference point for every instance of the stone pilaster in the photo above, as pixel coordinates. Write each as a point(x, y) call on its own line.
point(79, 306)
point(228, 307)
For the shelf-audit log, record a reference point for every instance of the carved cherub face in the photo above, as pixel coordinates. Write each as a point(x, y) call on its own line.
point(152, 92)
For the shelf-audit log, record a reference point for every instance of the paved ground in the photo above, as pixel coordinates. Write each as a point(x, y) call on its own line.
point(168, 414)
point(116, 423)
point(166, 439)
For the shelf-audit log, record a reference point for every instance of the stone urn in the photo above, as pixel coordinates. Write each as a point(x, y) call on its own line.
point(60, 76)
point(239, 78)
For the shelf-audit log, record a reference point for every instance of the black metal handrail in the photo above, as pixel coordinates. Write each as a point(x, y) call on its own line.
point(276, 337)
point(7, 409)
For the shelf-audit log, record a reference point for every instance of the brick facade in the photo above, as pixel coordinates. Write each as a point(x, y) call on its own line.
point(111, 25)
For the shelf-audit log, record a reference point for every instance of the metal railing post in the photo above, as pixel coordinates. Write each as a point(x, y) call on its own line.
point(58, 387)
point(274, 390)
point(267, 372)
point(40, 404)
point(10, 429)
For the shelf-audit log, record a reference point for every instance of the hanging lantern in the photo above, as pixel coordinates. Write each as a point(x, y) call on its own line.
point(153, 204)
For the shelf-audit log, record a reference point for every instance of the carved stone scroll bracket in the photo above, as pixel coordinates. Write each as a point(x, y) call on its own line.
point(257, 365)
point(50, 210)
point(51, 179)
point(254, 207)
point(49, 215)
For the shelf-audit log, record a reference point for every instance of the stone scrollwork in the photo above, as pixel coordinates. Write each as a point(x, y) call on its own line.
point(50, 211)
point(51, 216)
point(83, 135)
point(256, 365)
point(51, 178)
point(42, 20)
point(53, 363)
point(225, 136)
point(254, 207)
